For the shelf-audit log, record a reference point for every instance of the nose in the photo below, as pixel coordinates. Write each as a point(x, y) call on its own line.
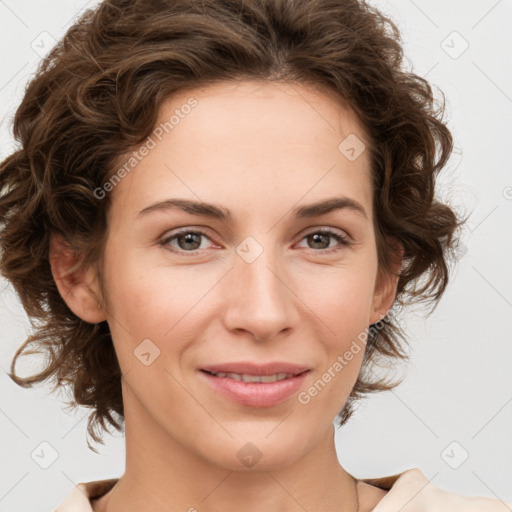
point(259, 298)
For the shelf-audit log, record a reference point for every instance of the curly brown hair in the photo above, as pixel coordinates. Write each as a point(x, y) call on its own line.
point(97, 95)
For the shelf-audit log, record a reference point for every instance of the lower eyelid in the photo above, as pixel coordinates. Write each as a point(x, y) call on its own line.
point(343, 240)
point(168, 239)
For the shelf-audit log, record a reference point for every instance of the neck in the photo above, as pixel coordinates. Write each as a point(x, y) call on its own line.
point(161, 475)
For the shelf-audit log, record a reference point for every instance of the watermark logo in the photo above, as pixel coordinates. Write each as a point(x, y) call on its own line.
point(455, 455)
point(249, 249)
point(454, 45)
point(342, 360)
point(352, 147)
point(150, 143)
point(249, 454)
point(146, 352)
point(43, 43)
point(44, 455)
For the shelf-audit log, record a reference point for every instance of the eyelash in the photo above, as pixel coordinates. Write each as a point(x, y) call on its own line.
point(344, 241)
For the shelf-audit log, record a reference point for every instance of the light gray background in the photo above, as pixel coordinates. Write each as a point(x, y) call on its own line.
point(459, 383)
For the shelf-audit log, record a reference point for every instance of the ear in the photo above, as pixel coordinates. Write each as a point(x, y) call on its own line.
point(386, 284)
point(79, 288)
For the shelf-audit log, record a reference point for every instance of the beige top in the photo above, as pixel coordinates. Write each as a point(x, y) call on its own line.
point(409, 491)
point(79, 499)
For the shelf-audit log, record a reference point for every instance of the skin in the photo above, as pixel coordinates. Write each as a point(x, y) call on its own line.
point(259, 149)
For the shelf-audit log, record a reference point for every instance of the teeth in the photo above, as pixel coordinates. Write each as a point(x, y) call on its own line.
point(255, 378)
point(250, 378)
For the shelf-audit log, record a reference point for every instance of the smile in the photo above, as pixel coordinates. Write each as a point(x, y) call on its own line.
point(254, 378)
point(255, 390)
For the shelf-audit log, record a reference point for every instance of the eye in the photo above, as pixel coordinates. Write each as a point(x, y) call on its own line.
point(189, 241)
point(186, 241)
point(320, 240)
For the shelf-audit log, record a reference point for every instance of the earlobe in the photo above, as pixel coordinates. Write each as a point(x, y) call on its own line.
point(77, 286)
point(383, 298)
point(386, 286)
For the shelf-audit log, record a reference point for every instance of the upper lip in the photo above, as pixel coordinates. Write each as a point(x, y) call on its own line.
point(256, 369)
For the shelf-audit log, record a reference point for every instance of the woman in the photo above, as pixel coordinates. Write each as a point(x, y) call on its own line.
point(283, 142)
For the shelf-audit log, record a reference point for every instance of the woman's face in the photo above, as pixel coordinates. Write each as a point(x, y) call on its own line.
point(269, 283)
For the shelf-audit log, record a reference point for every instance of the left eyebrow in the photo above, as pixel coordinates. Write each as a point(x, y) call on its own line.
point(327, 206)
point(200, 208)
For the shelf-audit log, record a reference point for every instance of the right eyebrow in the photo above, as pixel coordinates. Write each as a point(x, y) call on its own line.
point(189, 206)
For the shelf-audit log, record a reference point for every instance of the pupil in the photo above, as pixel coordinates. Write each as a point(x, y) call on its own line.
point(189, 238)
point(318, 236)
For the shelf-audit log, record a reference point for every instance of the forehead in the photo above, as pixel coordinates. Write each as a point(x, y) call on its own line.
point(248, 141)
point(266, 112)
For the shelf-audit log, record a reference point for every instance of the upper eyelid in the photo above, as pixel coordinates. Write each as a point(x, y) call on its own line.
point(205, 232)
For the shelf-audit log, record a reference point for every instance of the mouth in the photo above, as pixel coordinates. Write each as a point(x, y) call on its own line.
point(257, 370)
point(255, 385)
point(245, 377)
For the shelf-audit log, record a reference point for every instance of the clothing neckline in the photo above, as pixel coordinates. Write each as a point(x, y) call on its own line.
point(83, 494)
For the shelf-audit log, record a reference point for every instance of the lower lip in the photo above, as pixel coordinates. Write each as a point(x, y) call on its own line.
point(256, 394)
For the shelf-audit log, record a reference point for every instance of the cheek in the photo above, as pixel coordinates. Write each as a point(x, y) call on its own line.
point(342, 302)
point(341, 298)
point(329, 388)
point(156, 303)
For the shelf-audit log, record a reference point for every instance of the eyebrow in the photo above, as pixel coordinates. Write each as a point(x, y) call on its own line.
point(218, 212)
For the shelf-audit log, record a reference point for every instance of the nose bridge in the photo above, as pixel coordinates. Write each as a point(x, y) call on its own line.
point(261, 302)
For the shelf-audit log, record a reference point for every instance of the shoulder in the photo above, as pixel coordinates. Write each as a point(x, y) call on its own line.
point(79, 499)
point(369, 496)
point(411, 491)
